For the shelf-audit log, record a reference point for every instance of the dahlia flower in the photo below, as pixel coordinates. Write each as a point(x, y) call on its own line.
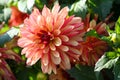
point(5, 71)
point(16, 17)
point(52, 37)
point(92, 49)
point(100, 27)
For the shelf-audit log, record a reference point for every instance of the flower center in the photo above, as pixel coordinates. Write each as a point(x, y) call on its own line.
point(44, 36)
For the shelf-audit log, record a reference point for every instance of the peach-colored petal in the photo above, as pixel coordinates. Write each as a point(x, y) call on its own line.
point(45, 59)
point(55, 10)
point(36, 57)
point(57, 41)
point(67, 29)
point(63, 13)
point(55, 60)
point(55, 53)
point(92, 24)
point(49, 23)
point(52, 46)
point(45, 11)
point(64, 38)
point(74, 50)
point(44, 68)
point(73, 42)
point(46, 49)
point(57, 32)
point(64, 48)
point(60, 19)
point(54, 68)
point(75, 20)
point(65, 62)
point(23, 42)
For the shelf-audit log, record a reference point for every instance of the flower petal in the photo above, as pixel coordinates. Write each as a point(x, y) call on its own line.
point(57, 41)
point(45, 59)
point(52, 46)
point(23, 42)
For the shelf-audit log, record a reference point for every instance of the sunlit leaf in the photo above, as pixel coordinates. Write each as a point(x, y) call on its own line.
point(116, 71)
point(104, 63)
point(92, 33)
point(117, 26)
point(8, 36)
point(3, 2)
point(4, 29)
point(5, 14)
point(25, 5)
point(79, 8)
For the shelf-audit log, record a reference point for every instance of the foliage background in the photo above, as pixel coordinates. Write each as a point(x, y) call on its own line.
point(107, 67)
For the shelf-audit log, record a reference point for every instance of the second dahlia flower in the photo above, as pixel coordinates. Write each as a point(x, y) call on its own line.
point(100, 27)
point(52, 37)
point(92, 49)
point(16, 17)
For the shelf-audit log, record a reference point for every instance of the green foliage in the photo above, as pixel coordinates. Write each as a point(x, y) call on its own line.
point(116, 70)
point(8, 36)
point(40, 3)
point(104, 63)
point(79, 8)
point(4, 29)
point(26, 5)
point(117, 26)
point(92, 33)
point(3, 2)
point(5, 14)
point(80, 72)
point(101, 7)
point(108, 63)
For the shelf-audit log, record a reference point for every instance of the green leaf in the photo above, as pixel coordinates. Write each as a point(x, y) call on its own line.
point(79, 8)
point(40, 3)
point(111, 55)
point(104, 63)
point(8, 36)
point(92, 33)
point(30, 4)
point(22, 5)
point(26, 5)
point(102, 7)
point(4, 29)
point(116, 70)
point(5, 14)
point(117, 26)
point(80, 72)
point(3, 2)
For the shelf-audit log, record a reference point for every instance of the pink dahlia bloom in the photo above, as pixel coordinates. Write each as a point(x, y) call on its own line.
point(52, 37)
